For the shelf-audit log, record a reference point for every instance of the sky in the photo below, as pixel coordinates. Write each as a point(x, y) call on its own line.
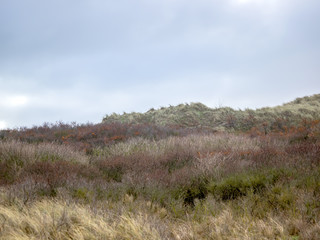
point(78, 60)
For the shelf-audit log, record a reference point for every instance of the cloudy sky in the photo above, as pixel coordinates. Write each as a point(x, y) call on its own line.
point(78, 60)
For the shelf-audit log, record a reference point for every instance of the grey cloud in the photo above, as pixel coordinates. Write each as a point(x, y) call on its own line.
point(88, 58)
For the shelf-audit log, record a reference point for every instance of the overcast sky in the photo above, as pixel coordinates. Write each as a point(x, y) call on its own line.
point(78, 60)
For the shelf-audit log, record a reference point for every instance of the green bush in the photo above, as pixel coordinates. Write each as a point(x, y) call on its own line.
point(198, 189)
point(230, 188)
point(112, 173)
point(280, 198)
point(236, 186)
point(81, 194)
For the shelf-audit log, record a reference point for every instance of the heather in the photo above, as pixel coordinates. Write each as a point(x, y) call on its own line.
point(150, 181)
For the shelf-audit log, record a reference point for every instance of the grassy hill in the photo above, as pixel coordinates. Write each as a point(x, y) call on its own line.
point(199, 115)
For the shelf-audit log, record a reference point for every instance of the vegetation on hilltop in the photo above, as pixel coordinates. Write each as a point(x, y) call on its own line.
point(221, 119)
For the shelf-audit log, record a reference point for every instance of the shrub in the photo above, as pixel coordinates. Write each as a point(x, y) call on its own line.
point(280, 198)
point(239, 185)
point(197, 190)
point(81, 194)
point(111, 170)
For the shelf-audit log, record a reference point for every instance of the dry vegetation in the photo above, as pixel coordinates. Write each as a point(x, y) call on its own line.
point(144, 181)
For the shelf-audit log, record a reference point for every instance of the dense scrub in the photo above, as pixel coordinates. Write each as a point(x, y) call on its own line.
point(179, 184)
point(88, 136)
point(145, 181)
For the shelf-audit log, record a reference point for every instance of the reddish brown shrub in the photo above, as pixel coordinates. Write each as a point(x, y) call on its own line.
point(57, 174)
point(85, 137)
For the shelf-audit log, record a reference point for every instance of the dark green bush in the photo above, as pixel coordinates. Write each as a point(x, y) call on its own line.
point(240, 185)
point(198, 189)
point(228, 189)
point(7, 174)
point(112, 173)
point(175, 164)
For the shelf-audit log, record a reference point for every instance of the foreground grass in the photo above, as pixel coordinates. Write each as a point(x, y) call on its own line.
point(197, 186)
point(138, 219)
point(49, 219)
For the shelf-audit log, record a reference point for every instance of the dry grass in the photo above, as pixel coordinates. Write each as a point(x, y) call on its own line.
point(193, 143)
point(60, 220)
point(57, 219)
point(229, 226)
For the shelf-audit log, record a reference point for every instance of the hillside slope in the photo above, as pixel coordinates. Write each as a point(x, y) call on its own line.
point(199, 115)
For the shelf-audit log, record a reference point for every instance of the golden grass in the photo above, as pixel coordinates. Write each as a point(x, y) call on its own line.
point(57, 220)
point(229, 226)
point(60, 220)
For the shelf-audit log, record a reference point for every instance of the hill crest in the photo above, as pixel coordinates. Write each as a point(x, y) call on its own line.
point(225, 118)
